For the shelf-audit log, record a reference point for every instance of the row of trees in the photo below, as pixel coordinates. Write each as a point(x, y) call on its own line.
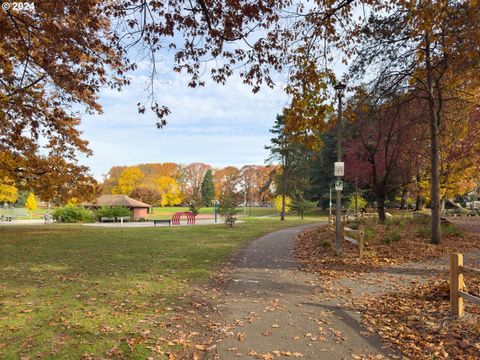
point(388, 150)
point(167, 184)
point(428, 50)
point(414, 79)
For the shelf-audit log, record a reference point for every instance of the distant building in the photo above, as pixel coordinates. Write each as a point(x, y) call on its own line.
point(140, 209)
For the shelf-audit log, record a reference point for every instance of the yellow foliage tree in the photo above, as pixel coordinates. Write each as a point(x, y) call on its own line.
point(8, 191)
point(278, 203)
point(31, 203)
point(73, 201)
point(169, 191)
point(128, 180)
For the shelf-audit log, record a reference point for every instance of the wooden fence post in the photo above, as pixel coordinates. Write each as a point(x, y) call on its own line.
point(456, 284)
point(361, 230)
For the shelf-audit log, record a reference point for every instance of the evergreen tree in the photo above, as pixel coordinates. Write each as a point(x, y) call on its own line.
point(208, 189)
point(294, 162)
point(300, 204)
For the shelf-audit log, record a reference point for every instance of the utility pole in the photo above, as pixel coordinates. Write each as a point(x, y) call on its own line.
point(339, 88)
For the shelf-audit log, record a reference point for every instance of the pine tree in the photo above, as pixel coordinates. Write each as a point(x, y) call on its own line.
point(208, 189)
point(294, 159)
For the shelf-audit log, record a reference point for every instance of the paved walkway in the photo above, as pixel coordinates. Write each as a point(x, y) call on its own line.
point(274, 310)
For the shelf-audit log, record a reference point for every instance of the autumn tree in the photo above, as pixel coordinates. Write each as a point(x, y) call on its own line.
point(169, 191)
point(382, 145)
point(8, 191)
point(110, 180)
point(53, 62)
point(60, 56)
point(207, 189)
point(431, 48)
point(31, 203)
point(128, 180)
point(147, 195)
point(192, 177)
point(226, 180)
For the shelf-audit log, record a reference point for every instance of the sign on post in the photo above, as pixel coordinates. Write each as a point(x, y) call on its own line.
point(339, 168)
point(339, 185)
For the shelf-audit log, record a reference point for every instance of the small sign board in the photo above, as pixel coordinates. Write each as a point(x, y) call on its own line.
point(339, 168)
point(339, 185)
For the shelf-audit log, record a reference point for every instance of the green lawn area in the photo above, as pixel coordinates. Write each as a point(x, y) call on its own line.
point(36, 214)
point(167, 212)
point(66, 291)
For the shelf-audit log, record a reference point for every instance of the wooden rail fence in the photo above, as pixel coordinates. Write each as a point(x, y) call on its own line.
point(359, 241)
point(457, 285)
point(359, 233)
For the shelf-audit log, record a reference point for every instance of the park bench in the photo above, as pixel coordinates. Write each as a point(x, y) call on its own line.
point(107, 219)
point(155, 222)
point(8, 218)
point(122, 219)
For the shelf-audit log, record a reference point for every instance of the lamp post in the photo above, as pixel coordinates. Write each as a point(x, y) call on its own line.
point(339, 88)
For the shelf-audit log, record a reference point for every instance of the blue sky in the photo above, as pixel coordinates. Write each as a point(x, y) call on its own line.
point(218, 125)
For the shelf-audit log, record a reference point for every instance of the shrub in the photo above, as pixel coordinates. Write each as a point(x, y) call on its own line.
point(420, 218)
point(369, 233)
point(360, 201)
point(113, 211)
point(423, 231)
point(228, 207)
point(300, 204)
point(194, 206)
point(326, 244)
point(72, 214)
point(450, 230)
point(391, 237)
point(396, 221)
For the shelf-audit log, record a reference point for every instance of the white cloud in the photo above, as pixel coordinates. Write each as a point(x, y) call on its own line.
point(219, 125)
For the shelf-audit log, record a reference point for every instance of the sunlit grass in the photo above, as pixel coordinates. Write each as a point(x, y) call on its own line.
point(66, 291)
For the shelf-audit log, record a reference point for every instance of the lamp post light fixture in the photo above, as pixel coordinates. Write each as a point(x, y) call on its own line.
point(339, 88)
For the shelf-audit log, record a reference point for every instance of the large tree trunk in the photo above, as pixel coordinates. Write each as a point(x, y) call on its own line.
point(381, 207)
point(436, 236)
point(282, 215)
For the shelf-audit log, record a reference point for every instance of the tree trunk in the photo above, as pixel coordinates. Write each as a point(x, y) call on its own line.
point(381, 207)
point(282, 215)
point(442, 206)
point(419, 203)
point(436, 236)
point(435, 191)
point(403, 203)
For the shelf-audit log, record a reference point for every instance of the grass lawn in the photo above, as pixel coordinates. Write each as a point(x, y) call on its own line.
point(36, 214)
point(167, 212)
point(67, 291)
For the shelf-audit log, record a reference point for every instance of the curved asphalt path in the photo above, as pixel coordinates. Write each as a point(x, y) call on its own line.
point(270, 306)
